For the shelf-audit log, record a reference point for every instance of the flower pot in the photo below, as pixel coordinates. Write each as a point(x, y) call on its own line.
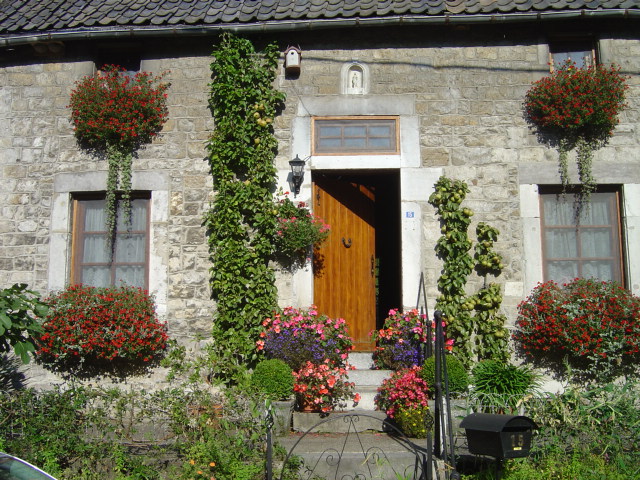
point(307, 406)
point(282, 411)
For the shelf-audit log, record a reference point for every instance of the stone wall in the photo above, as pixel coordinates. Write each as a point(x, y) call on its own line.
point(467, 94)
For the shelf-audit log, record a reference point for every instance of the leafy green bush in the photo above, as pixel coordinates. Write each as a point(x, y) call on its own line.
point(274, 379)
point(503, 385)
point(604, 419)
point(19, 312)
point(458, 376)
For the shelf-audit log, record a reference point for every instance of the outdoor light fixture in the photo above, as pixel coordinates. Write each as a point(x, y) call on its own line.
point(297, 173)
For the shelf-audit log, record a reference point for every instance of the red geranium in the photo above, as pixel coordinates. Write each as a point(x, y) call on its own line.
point(111, 108)
point(593, 325)
point(88, 324)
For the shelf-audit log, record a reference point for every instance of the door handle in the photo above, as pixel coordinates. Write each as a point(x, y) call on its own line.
point(373, 266)
point(346, 243)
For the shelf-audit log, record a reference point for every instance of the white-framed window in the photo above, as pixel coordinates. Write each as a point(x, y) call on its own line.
point(92, 261)
point(590, 247)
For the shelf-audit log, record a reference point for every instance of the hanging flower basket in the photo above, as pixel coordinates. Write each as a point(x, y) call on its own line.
point(298, 229)
point(577, 108)
point(114, 113)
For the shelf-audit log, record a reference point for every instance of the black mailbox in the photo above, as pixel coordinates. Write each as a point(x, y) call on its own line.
point(500, 436)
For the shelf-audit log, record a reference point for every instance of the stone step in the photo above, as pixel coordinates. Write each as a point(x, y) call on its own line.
point(355, 447)
point(366, 379)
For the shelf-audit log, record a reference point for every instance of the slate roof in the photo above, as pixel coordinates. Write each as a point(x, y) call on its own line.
point(38, 17)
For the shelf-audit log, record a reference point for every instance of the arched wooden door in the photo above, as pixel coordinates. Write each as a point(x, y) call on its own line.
point(345, 265)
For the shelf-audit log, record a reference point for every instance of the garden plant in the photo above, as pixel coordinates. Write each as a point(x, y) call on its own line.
point(587, 325)
point(21, 311)
point(401, 340)
point(93, 326)
point(481, 335)
point(577, 107)
point(115, 114)
point(242, 222)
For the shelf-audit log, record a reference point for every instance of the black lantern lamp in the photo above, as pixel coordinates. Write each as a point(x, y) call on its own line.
point(297, 173)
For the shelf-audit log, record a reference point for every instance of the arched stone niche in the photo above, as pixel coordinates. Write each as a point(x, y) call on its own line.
point(354, 79)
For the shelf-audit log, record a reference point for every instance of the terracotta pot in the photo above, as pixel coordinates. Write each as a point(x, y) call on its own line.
point(307, 406)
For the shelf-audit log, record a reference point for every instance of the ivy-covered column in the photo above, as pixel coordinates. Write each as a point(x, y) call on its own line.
point(242, 220)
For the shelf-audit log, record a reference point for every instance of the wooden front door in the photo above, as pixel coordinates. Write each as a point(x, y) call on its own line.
point(344, 266)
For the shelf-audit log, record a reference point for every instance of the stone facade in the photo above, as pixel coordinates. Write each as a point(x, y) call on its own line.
point(458, 93)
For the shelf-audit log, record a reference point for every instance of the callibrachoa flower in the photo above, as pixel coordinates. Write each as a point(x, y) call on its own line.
point(299, 336)
point(324, 386)
point(89, 324)
point(404, 390)
point(592, 324)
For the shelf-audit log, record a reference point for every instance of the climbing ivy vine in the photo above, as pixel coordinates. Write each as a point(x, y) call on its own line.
point(241, 221)
point(481, 335)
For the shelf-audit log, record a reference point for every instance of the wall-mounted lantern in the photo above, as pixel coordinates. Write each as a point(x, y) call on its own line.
point(297, 174)
point(292, 58)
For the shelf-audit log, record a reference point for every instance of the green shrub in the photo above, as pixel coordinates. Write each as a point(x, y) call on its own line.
point(413, 421)
point(274, 379)
point(19, 312)
point(458, 376)
point(503, 385)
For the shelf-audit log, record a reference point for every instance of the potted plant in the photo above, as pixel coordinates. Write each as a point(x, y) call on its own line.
point(323, 387)
point(404, 397)
point(500, 387)
point(274, 380)
point(298, 336)
point(298, 230)
point(577, 108)
point(115, 114)
point(400, 342)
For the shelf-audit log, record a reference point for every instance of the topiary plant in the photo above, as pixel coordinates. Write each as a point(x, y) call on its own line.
point(457, 374)
point(503, 385)
point(274, 379)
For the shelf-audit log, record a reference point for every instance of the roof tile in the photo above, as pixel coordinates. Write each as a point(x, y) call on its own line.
point(24, 16)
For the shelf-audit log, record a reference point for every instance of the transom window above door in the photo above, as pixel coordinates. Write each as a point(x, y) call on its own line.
point(355, 135)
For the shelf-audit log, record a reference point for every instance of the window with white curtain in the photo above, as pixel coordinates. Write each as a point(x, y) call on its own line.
point(588, 248)
point(92, 262)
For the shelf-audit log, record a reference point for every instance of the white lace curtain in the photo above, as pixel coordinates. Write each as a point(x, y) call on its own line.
point(588, 251)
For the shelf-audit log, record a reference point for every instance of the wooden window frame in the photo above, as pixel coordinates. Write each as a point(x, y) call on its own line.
point(556, 46)
point(615, 226)
point(78, 234)
point(356, 120)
